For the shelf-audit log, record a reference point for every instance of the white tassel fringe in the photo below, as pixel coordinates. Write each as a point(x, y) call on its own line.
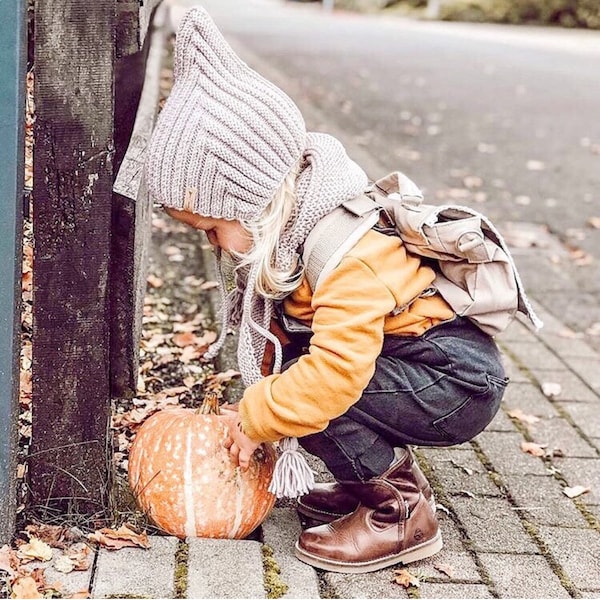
point(292, 476)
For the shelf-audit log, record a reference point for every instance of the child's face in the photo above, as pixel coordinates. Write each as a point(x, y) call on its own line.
point(228, 235)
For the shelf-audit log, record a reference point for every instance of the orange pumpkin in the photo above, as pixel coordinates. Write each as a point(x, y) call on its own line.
point(186, 481)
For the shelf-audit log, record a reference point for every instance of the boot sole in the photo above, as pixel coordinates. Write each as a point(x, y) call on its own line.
point(414, 554)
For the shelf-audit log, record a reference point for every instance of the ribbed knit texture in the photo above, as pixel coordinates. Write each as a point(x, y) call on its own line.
point(226, 138)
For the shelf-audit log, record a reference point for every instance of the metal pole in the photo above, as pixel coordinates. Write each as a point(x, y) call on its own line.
point(12, 117)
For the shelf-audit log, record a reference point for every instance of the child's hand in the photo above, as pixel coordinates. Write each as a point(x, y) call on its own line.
point(240, 446)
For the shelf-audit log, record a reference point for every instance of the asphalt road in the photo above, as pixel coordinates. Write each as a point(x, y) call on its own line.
point(502, 118)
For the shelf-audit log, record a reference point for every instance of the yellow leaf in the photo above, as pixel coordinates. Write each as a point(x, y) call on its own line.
point(405, 578)
point(35, 550)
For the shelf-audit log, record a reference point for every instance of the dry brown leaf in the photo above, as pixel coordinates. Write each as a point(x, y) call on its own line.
point(209, 285)
point(533, 448)
point(594, 222)
point(56, 536)
point(405, 578)
point(120, 538)
point(445, 568)
point(63, 564)
point(575, 491)
point(25, 587)
point(154, 281)
point(517, 413)
point(186, 338)
point(226, 375)
point(189, 353)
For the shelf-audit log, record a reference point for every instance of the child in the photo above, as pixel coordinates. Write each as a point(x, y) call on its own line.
point(230, 156)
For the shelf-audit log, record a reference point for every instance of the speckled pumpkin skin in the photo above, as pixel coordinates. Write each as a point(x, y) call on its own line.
point(185, 481)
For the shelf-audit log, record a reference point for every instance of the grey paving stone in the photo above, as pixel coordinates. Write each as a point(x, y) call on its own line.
point(493, 526)
point(514, 372)
point(582, 471)
point(379, 584)
point(135, 572)
point(529, 398)
point(453, 554)
point(559, 434)
point(588, 369)
point(586, 415)
point(225, 569)
point(454, 590)
point(573, 388)
point(459, 471)
point(503, 449)
point(280, 531)
point(501, 422)
point(578, 553)
point(522, 576)
point(535, 355)
point(591, 594)
point(567, 344)
point(542, 501)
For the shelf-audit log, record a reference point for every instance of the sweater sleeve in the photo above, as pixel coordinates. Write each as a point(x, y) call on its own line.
point(350, 308)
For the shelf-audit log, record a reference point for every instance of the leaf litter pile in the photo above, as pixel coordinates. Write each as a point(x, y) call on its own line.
point(177, 329)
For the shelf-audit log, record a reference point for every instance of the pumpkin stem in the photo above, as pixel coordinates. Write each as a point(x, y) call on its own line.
point(210, 404)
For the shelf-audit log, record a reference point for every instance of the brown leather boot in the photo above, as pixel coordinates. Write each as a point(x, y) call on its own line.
point(393, 523)
point(327, 502)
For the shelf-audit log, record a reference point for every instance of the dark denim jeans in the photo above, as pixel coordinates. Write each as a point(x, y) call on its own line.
point(439, 389)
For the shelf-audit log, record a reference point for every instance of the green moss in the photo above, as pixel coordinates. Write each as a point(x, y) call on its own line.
point(180, 582)
point(274, 586)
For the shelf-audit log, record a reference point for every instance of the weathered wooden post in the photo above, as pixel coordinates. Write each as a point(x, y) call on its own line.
point(86, 282)
point(12, 148)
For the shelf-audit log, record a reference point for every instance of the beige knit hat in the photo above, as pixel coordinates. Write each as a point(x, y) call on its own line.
point(226, 137)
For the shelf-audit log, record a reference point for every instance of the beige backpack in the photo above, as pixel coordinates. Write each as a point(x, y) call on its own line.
point(476, 274)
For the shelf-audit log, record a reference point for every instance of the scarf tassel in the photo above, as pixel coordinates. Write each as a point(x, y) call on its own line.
point(292, 476)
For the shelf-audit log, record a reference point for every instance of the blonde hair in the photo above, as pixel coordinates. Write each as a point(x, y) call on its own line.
point(273, 282)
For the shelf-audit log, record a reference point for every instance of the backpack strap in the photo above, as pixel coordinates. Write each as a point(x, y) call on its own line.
point(335, 234)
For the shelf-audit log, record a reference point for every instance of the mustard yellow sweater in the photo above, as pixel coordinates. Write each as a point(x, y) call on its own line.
point(349, 314)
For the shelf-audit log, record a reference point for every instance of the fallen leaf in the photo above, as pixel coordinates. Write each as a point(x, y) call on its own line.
point(187, 338)
point(551, 389)
point(120, 538)
point(594, 222)
point(533, 448)
point(80, 594)
point(9, 561)
point(517, 413)
point(56, 536)
point(405, 578)
point(64, 564)
point(25, 587)
point(209, 285)
point(446, 569)
point(35, 549)
point(154, 281)
point(575, 491)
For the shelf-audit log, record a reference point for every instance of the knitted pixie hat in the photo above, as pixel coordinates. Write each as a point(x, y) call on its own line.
point(241, 134)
